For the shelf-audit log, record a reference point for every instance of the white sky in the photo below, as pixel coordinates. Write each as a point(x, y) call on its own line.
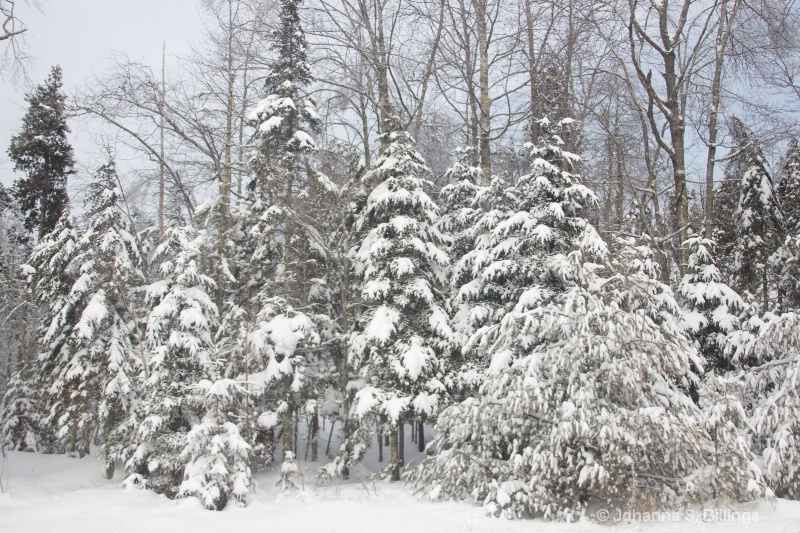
point(81, 35)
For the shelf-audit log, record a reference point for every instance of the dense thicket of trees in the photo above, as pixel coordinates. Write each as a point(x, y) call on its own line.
point(482, 216)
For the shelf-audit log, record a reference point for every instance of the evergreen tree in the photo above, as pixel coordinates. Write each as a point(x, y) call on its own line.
point(284, 122)
point(105, 337)
point(520, 230)
point(92, 382)
point(286, 190)
point(279, 345)
point(773, 389)
point(50, 276)
point(42, 152)
point(21, 415)
point(467, 209)
point(217, 467)
point(593, 407)
point(758, 218)
point(713, 307)
point(404, 336)
point(251, 266)
point(180, 346)
point(786, 260)
point(789, 188)
point(712, 318)
point(726, 200)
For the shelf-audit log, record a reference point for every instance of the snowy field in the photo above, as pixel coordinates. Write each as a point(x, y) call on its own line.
point(57, 493)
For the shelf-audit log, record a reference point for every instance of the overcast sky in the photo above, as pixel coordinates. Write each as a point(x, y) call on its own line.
point(81, 36)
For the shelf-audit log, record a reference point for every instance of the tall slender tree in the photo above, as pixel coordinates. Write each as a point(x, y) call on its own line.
point(405, 336)
point(41, 150)
point(284, 180)
point(758, 218)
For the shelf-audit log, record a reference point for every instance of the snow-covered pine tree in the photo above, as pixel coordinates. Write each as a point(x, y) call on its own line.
point(217, 456)
point(179, 339)
point(404, 337)
point(283, 179)
point(713, 308)
point(773, 388)
point(521, 227)
point(786, 261)
point(711, 316)
point(284, 122)
point(279, 344)
point(469, 212)
point(789, 187)
point(726, 199)
point(253, 258)
point(21, 414)
point(346, 165)
point(104, 364)
point(592, 409)
point(50, 279)
point(462, 206)
point(758, 220)
point(41, 150)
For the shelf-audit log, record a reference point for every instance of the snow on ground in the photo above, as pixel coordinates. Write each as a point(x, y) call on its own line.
point(53, 493)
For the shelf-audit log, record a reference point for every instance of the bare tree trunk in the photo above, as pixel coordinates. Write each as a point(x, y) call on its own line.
point(86, 438)
point(161, 130)
point(401, 436)
point(330, 436)
point(109, 462)
point(620, 184)
point(485, 102)
point(364, 129)
point(395, 455)
point(73, 438)
point(227, 173)
point(380, 442)
point(723, 36)
point(421, 436)
point(671, 105)
point(287, 431)
point(472, 103)
point(532, 72)
point(314, 434)
point(296, 428)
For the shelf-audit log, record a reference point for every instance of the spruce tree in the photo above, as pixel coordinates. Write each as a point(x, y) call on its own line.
point(217, 469)
point(593, 406)
point(786, 261)
point(404, 337)
point(105, 337)
point(41, 150)
point(285, 189)
point(92, 387)
point(467, 209)
point(50, 276)
point(758, 219)
point(773, 386)
point(789, 188)
point(181, 355)
point(713, 307)
point(21, 415)
point(284, 122)
point(521, 229)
